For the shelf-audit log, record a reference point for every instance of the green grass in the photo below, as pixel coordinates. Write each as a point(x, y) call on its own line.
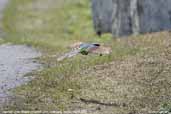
point(51, 30)
point(1, 41)
point(64, 22)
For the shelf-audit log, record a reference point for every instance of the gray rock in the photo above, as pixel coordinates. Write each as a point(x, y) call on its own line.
point(125, 17)
point(102, 10)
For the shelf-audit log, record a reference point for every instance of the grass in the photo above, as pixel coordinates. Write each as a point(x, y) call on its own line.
point(52, 25)
point(57, 23)
point(1, 41)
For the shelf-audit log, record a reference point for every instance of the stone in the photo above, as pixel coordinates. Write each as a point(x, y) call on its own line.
point(126, 17)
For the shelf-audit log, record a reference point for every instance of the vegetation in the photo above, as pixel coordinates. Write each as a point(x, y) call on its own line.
point(52, 25)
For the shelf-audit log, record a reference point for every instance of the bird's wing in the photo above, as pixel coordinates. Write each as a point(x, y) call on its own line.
point(69, 55)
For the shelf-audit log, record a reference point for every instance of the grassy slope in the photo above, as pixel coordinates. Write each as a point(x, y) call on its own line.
point(51, 29)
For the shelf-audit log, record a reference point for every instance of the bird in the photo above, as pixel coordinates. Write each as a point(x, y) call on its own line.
point(85, 49)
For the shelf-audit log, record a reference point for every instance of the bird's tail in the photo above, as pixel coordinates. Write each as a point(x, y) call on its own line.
point(68, 55)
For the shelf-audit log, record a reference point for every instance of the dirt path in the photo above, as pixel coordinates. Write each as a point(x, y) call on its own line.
point(15, 62)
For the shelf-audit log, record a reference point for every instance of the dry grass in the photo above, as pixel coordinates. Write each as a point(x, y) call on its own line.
point(138, 84)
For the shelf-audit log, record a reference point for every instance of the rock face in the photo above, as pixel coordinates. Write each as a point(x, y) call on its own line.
point(125, 17)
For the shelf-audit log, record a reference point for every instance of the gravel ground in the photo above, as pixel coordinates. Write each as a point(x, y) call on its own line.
point(15, 61)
